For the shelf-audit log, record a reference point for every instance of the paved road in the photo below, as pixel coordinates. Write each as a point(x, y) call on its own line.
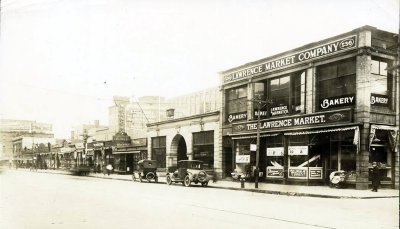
point(39, 200)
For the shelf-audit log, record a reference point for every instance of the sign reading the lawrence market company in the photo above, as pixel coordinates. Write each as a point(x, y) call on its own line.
point(304, 120)
point(309, 54)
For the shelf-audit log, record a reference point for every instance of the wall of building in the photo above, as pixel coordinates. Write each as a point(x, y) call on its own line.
point(185, 127)
point(372, 44)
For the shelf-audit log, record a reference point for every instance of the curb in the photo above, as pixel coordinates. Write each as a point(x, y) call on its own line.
point(237, 189)
point(269, 191)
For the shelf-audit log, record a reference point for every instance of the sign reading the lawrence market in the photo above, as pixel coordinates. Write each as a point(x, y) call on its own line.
point(304, 120)
point(309, 54)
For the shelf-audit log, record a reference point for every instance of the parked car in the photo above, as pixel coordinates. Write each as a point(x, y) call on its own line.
point(188, 171)
point(147, 169)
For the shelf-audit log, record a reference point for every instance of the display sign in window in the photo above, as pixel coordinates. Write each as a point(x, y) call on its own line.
point(299, 173)
point(315, 173)
point(274, 172)
point(242, 159)
point(298, 150)
point(275, 151)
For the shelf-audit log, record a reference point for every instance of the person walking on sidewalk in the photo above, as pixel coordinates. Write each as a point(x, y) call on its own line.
point(375, 177)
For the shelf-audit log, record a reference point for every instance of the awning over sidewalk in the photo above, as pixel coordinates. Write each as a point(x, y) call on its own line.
point(252, 136)
point(356, 139)
point(393, 134)
point(126, 152)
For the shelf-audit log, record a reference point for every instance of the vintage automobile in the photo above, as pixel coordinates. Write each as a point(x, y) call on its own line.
point(147, 169)
point(188, 171)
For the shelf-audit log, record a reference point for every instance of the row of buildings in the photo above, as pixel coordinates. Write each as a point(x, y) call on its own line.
point(297, 116)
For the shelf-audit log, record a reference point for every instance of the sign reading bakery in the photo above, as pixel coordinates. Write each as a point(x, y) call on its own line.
point(379, 100)
point(334, 102)
point(237, 117)
point(326, 49)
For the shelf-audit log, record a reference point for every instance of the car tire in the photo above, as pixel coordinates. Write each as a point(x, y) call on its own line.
point(186, 181)
point(204, 184)
point(169, 181)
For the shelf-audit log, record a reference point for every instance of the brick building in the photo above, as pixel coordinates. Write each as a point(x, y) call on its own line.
point(326, 106)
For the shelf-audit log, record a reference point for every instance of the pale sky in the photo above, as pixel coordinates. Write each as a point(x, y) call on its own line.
point(61, 61)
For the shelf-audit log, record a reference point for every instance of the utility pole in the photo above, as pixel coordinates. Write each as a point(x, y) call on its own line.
point(261, 102)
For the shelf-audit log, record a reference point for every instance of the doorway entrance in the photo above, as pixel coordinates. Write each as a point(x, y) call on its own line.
point(179, 146)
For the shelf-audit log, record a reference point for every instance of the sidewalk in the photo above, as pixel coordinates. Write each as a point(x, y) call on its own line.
point(268, 188)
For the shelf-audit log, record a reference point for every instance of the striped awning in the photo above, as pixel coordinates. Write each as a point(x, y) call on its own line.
point(126, 152)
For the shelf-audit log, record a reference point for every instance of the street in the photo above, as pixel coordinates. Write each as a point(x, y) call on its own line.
point(42, 200)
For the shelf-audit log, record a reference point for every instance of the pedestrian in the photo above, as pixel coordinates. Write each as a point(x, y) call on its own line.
point(109, 169)
point(375, 177)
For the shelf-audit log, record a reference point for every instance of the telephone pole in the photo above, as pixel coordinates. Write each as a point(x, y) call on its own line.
point(261, 102)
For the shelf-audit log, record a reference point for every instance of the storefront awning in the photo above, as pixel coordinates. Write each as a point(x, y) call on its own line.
point(393, 134)
point(125, 152)
point(252, 136)
point(356, 139)
point(322, 130)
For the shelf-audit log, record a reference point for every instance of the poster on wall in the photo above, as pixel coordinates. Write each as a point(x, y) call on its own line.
point(298, 150)
point(242, 159)
point(275, 151)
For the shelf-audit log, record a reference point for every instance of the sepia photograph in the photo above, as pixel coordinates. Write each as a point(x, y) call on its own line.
point(205, 114)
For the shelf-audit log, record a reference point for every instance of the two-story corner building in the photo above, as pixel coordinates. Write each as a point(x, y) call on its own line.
point(326, 106)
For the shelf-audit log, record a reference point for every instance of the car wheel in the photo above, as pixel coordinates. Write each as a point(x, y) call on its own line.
point(169, 181)
point(186, 182)
point(204, 184)
point(133, 177)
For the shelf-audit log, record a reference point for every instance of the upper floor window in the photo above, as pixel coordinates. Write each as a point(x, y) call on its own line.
point(381, 83)
point(286, 94)
point(336, 84)
point(236, 101)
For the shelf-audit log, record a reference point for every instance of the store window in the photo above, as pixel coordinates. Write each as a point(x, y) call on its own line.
point(304, 162)
point(382, 82)
point(245, 158)
point(203, 147)
point(275, 156)
point(343, 151)
point(336, 84)
point(236, 104)
point(158, 150)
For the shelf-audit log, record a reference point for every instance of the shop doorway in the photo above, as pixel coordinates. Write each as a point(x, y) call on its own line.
point(228, 155)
